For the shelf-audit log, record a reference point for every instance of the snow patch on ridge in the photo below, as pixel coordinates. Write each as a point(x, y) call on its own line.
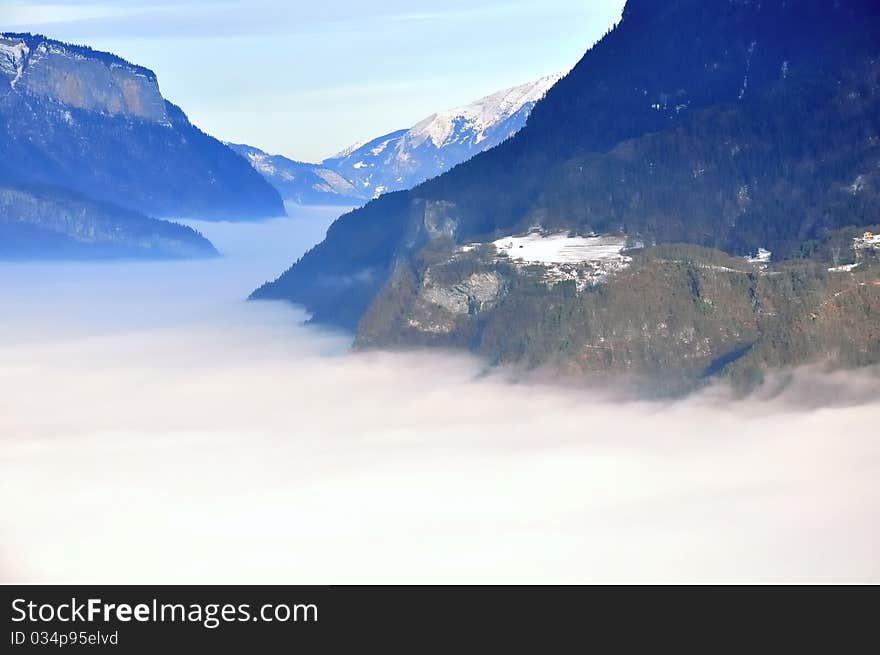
point(12, 57)
point(586, 261)
point(260, 161)
point(538, 248)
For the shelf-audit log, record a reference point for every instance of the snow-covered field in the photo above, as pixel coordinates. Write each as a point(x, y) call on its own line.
point(537, 248)
point(583, 260)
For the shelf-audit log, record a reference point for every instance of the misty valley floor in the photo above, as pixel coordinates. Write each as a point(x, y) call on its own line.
point(155, 428)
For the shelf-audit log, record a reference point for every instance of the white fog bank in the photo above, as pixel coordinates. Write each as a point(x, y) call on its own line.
point(156, 429)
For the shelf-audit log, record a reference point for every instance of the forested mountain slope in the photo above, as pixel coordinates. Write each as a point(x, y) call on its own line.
point(734, 125)
point(41, 222)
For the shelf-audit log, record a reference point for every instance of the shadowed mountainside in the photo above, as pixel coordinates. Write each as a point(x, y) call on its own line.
point(729, 126)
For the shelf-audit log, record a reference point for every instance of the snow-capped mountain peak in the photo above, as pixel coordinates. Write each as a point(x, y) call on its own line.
point(403, 159)
point(480, 116)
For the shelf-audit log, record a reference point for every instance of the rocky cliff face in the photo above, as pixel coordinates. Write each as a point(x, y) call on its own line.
point(98, 125)
point(81, 79)
point(667, 317)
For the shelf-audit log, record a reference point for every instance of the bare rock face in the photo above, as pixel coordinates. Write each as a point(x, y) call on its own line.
point(440, 219)
point(439, 306)
point(13, 52)
point(60, 73)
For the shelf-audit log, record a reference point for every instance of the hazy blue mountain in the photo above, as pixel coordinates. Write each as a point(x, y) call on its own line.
point(51, 223)
point(91, 122)
point(300, 182)
point(729, 126)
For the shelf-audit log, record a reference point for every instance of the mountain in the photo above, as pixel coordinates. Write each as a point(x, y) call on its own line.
point(746, 132)
point(404, 158)
point(301, 182)
point(98, 125)
point(50, 223)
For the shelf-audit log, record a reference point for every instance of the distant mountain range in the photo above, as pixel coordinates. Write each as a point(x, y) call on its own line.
point(695, 198)
point(402, 159)
point(300, 182)
point(83, 124)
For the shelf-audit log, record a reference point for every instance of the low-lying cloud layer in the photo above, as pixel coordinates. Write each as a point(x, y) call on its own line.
point(229, 444)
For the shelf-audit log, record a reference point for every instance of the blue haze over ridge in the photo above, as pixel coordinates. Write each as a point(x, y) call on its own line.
point(90, 149)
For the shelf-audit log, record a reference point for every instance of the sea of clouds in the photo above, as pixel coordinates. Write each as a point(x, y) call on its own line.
point(155, 428)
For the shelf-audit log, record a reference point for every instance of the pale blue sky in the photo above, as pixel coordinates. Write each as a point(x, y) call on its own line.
point(307, 79)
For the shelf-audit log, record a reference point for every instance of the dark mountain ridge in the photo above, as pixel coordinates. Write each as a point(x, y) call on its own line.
point(659, 70)
point(661, 64)
point(734, 126)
